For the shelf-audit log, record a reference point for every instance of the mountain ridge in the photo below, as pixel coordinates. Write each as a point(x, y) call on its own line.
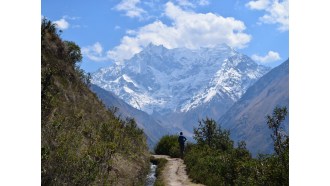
point(247, 117)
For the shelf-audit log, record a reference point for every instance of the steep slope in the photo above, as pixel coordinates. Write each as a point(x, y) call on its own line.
point(247, 117)
point(151, 127)
point(82, 143)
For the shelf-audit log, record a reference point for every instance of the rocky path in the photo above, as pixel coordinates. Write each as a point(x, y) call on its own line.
point(175, 173)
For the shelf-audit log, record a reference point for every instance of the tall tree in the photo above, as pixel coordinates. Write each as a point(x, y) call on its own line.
point(281, 140)
point(210, 133)
point(279, 137)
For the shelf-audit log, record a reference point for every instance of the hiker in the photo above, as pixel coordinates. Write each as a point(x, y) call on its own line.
point(181, 141)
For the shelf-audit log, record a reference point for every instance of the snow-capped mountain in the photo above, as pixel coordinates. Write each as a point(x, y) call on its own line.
point(246, 119)
point(163, 81)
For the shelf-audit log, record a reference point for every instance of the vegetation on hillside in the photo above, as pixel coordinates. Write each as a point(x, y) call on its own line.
point(214, 160)
point(82, 142)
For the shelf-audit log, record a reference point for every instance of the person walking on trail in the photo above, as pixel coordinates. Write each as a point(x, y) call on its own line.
point(181, 141)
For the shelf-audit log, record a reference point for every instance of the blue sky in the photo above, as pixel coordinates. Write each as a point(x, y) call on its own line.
point(113, 30)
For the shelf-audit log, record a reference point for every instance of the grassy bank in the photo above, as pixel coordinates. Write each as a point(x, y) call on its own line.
point(160, 162)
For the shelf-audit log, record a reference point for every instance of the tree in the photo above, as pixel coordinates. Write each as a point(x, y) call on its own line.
point(281, 140)
point(241, 151)
point(210, 133)
point(47, 27)
point(73, 51)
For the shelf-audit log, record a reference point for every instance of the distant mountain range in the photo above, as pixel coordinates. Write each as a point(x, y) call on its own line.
point(169, 90)
point(247, 117)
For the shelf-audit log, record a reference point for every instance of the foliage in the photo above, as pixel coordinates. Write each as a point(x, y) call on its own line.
point(278, 136)
point(210, 134)
point(168, 145)
point(82, 142)
point(214, 161)
point(47, 27)
point(281, 142)
point(73, 52)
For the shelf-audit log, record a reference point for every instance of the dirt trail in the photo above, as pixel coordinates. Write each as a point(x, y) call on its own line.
point(175, 173)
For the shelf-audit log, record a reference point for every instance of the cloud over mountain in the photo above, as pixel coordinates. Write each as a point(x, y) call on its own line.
point(94, 52)
point(186, 29)
point(271, 56)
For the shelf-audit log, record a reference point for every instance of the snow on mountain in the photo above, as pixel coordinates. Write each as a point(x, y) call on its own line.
point(236, 74)
point(179, 80)
point(246, 119)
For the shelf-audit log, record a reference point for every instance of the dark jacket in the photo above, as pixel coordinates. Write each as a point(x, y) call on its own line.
point(182, 139)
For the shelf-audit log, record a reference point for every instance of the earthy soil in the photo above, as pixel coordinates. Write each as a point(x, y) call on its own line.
point(174, 173)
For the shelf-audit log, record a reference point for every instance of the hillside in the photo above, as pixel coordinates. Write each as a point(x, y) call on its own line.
point(82, 142)
point(152, 128)
point(246, 119)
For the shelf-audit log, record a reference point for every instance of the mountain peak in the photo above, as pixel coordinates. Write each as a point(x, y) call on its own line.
point(153, 47)
point(224, 46)
point(169, 80)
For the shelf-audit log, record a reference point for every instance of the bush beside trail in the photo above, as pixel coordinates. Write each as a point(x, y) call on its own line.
point(168, 145)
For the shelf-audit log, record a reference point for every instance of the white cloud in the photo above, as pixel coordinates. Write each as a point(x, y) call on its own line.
point(192, 3)
point(188, 29)
point(258, 5)
point(62, 24)
point(130, 8)
point(203, 2)
point(277, 12)
point(270, 57)
point(131, 32)
point(94, 52)
point(185, 3)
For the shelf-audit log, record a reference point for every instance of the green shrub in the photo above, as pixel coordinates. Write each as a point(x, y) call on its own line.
point(168, 145)
point(214, 161)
